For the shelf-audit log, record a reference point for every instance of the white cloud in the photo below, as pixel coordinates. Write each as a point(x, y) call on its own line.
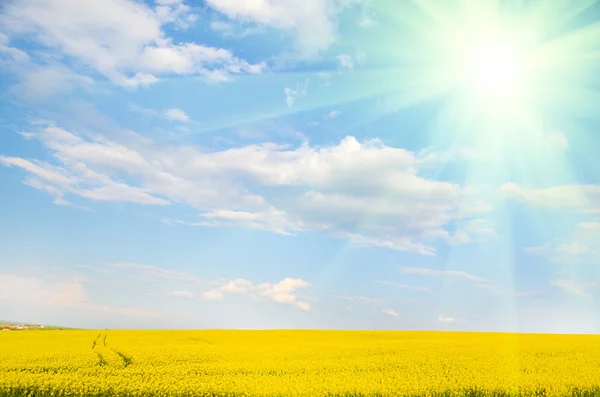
point(390, 312)
point(10, 55)
point(345, 61)
point(333, 114)
point(366, 193)
point(213, 295)
point(123, 40)
point(428, 157)
point(283, 291)
point(581, 247)
point(181, 294)
point(537, 249)
point(557, 140)
point(176, 115)
point(349, 62)
point(496, 290)
point(57, 181)
point(579, 198)
point(446, 320)
point(358, 298)
point(143, 273)
point(574, 287)
point(408, 287)
point(292, 94)
point(36, 82)
point(473, 230)
point(571, 248)
point(235, 29)
point(311, 21)
point(171, 114)
point(455, 274)
point(237, 286)
point(66, 294)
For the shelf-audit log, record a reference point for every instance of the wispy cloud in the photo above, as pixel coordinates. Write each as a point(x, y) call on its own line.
point(581, 247)
point(575, 288)
point(406, 286)
point(454, 274)
point(577, 198)
point(446, 320)
point(175, 114)
point(496, 290)
point(181, 294)
point(171, 114)
point(145, 271)
point(68, 294)
point(292, 94)
point(333, 114)
point(345, 61)
point(358, 298)
point(349, 62)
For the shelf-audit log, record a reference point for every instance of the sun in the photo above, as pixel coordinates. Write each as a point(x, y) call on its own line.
point(495, 70)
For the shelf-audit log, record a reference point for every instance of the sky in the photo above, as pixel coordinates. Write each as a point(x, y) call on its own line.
point(331, 164)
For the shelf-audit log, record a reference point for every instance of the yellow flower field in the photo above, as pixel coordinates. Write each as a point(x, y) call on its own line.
point(294, 363)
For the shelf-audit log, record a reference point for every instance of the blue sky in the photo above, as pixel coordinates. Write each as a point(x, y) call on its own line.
point(344, 164)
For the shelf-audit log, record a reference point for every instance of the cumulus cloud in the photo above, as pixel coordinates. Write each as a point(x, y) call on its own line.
point(311, 21)
point(181, 294)
point(123, 40)
point(366, 193)
point(455, 274)
point(283, 291)
point(390, 312)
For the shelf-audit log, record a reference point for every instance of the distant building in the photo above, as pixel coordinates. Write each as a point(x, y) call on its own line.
point(6, 328)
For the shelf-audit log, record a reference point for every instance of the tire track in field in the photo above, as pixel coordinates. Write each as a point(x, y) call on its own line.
point(104, 353)
point(96, 341)
point(126, 359)
point(95, 345)
point(108, 356)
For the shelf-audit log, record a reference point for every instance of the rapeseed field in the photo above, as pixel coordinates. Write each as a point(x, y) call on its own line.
point(296, 363)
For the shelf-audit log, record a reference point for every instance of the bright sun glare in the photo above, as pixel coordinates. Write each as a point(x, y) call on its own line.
point(495, 70)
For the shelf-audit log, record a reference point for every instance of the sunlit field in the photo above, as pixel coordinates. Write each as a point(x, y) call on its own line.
point(307, 363)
